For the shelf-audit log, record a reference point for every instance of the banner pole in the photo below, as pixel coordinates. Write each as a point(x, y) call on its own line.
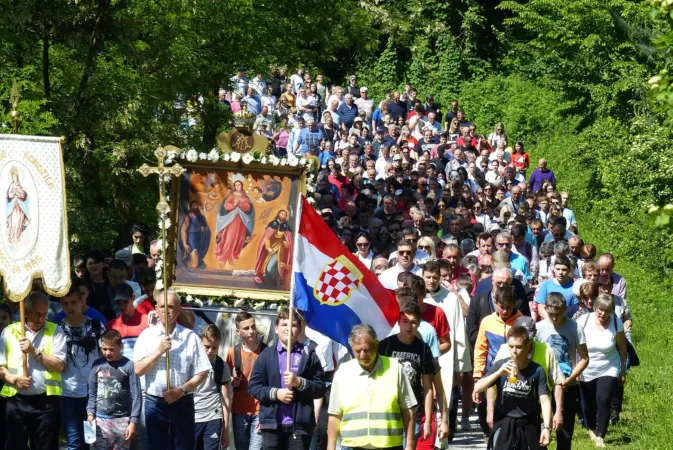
point(295, 235)
point(22, 314)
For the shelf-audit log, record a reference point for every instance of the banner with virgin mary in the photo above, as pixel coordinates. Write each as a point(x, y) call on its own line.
point(33, 231)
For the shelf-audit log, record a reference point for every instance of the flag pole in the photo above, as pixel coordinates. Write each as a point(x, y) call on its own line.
point(295, 235)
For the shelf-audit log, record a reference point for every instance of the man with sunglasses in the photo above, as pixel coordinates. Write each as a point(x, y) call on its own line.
point(503, 241)
point(411, 235)
point(405, 263)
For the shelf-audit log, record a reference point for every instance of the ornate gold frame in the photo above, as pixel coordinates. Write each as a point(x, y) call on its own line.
point(170, 257)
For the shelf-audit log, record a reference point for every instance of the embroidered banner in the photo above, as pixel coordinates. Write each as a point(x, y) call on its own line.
point(34, 229)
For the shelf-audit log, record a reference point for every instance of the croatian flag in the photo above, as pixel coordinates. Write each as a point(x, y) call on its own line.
point(334, 289)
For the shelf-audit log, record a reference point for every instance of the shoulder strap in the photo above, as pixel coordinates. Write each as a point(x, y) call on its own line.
point(237, 359)
point(614, 320)
point(586, 321)
point(219, 370)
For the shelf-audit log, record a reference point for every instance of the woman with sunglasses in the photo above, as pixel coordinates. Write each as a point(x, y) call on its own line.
point(426, 244)
point(364, 250)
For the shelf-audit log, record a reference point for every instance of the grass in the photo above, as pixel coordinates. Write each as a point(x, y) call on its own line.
point(647, 417)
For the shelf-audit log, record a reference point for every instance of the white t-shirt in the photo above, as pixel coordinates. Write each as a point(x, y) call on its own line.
point(389, 276)
point(604, 360)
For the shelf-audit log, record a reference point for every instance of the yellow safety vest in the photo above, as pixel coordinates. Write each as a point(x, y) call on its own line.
point(371, 416)
point(15, 359)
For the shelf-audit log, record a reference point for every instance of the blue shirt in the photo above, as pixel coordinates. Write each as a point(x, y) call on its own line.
point(91, 313)
point(519, 262)
point(285, 416)
point(254, 104)
point(347, 114)
point(309, 140)
point(324, 157)
point(566, 290)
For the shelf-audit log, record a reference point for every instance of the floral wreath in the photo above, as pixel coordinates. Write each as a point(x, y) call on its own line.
point(250, 158)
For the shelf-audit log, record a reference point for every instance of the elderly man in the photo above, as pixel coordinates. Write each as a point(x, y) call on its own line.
point(405, 263)
point(309, 139)
point(169, 413)
point(540, 175)
point(347, 111)
point(372, 400)
point(364, 103)
point(503, 241)
point(514, 200)
point(32, 412)
point(606, 265)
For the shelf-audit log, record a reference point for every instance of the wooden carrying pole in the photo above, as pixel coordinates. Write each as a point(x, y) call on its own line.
point(22, 314)
point(163, 208)
point(295, 235)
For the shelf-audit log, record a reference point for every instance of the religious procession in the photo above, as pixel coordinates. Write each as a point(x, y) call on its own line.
point(338, 272)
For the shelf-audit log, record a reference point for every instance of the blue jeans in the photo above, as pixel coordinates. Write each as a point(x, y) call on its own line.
point(73, 414)
point(170, 427)
point(245, 432)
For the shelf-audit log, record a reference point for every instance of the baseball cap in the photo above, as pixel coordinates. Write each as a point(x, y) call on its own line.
point(454, 175)
point(528, 323)
point(122, 292)
point(399, 192)
point(494, 227)
point(125, 255)
point(353, 77)
point(381, 130)
point(357, 119)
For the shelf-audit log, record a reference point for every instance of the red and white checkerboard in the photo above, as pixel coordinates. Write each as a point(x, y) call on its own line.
point(335, 284)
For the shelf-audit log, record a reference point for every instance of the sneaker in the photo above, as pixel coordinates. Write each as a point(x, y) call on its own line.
point(465, 424)
point(614, 418)
point(599, 442)
point(592, 436)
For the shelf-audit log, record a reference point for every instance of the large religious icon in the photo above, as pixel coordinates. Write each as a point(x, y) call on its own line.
point(235, 229)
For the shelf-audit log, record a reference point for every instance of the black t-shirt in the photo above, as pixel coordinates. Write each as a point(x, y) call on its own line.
point(519, 399)
point(416, 359)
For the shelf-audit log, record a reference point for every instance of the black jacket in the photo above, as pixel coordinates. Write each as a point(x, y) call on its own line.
point(266, 375)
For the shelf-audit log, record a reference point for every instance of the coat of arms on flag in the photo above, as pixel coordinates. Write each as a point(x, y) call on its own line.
point(337, 281)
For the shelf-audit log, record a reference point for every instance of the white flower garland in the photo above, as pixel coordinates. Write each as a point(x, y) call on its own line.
point(214, 156)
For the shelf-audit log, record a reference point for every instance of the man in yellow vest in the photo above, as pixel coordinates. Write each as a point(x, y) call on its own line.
point(371, 399)
point(33, 402)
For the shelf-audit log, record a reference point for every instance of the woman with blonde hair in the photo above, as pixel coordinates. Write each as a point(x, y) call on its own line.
point(498, 136)
point(428, 246)
point(506, 214)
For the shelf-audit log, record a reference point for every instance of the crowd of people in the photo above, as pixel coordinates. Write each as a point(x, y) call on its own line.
point(503, 306)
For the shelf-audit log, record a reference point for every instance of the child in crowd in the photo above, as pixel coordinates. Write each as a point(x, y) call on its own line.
point(241, 359)
point(114, 396)
point(286, 416)
point(211, 399)
point(522, 390)
point(79, 265)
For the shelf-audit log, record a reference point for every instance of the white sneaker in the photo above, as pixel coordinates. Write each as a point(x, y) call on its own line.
point(592, 436)
point(465, 424)
point(599, 442)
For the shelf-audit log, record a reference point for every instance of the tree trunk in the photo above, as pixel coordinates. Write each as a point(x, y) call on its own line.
point(45, 65)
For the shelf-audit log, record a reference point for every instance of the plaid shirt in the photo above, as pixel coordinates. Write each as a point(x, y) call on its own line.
point(188, 358)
